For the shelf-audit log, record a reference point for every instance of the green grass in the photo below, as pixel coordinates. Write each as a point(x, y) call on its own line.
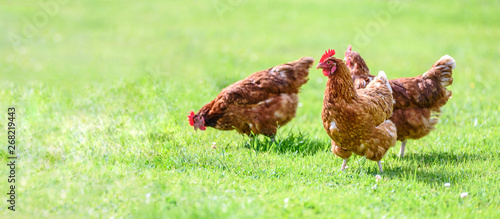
point(103, 87)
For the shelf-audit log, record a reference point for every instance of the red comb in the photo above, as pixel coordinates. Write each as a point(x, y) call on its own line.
point(328, 53)
point(191, 118)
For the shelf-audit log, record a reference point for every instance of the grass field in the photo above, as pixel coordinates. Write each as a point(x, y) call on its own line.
point(102, 88)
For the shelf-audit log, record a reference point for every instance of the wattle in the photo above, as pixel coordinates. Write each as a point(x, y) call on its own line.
point(326, 72)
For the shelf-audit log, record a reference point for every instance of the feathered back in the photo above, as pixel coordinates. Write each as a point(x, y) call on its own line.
point(428, 90)
point(293, 73)
point(260, 102)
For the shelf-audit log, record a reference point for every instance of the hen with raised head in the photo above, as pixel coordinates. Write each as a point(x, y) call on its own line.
point(357, 121)
point(258, 104)
point(418, 99)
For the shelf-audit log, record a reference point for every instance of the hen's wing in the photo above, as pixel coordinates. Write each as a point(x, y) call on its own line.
point(377, 98)
point(362, 81)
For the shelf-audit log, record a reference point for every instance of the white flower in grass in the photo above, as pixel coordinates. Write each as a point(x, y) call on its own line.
point(378, 177)
point(286, 202)
point(214, 145)
point(148, 195)
point(464, 194)
point(447, 184)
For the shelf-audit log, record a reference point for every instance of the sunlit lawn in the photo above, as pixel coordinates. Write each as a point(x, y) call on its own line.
point(102, 89)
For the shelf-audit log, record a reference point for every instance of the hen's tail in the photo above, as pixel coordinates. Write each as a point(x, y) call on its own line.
point(303, 63)
point(428, 90)
point(383, 77)
point(294, 72)
point(390, 100)
point(381, 93)
point(442, 70)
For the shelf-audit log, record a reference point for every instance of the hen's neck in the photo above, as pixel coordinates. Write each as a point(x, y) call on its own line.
point(360, 69)
point(340, 86)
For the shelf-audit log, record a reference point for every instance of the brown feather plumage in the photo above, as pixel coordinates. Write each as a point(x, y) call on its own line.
point(357, 120)
point(261, 102)
point(418, 99)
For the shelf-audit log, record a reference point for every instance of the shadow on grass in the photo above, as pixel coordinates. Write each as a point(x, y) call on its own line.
point(438, 167)
point(442, 157)
point(297, 143)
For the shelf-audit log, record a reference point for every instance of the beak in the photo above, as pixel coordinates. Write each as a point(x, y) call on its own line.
point(319, 66)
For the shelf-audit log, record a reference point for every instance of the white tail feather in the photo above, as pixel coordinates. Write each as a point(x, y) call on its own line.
point(383, 76)
point(445, 65)
point(451, 62)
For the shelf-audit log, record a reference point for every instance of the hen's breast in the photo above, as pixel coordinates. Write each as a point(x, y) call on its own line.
point(346, 125)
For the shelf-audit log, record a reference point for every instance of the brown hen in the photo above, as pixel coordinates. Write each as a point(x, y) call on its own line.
point(258, 104)
point(418, 99)
point(356, 120)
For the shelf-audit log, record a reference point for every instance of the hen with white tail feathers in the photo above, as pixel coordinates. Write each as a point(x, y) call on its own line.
point(357, 121)
point(418, 99)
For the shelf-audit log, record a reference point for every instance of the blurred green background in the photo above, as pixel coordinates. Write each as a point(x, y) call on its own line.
point(103, 87)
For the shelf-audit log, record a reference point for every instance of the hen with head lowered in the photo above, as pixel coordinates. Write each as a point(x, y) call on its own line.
point(258, 104)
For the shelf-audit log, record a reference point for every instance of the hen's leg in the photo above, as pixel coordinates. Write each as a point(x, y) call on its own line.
point(251, 138)
point(270, 133)
point(402, 151)
point(273, 139)
point(344, 154)
point(344, 164)
point(380, 166)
